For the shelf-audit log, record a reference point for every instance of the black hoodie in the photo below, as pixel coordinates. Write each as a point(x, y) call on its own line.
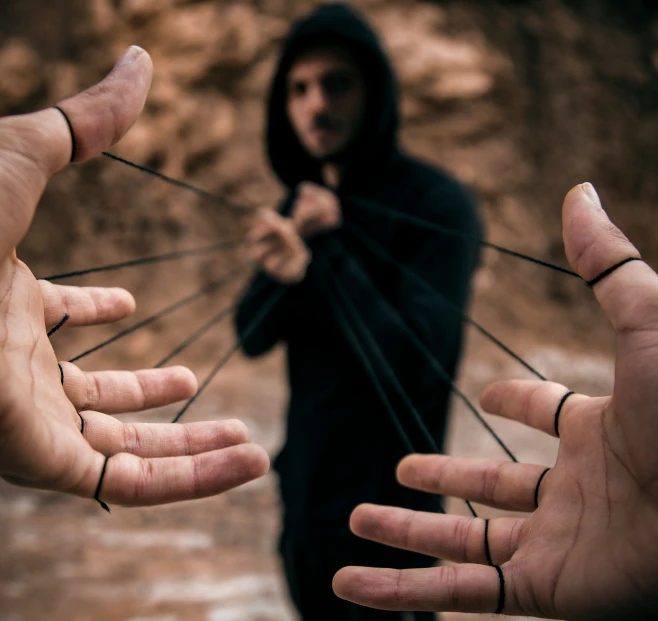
point(341, 447)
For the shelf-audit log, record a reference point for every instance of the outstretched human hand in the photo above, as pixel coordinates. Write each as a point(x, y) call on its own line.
point(43, 406)
point(590, 549)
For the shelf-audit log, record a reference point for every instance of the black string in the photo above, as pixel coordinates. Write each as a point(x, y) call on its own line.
point(353, 340)
point(501, 592)
point(68, 122)
point(61, 373)
point(359, 202)
point(253, 324)
point(379, 355)
point(609, 271)
point(487, 551)
point(58, 326)
point(541, 478)
point(428, 224)
point(360, 325)
point(439, 369)
point(196, 335)
point(215, 198)
point(213, 286)
point(97, 493)
point(170, 256)
point(82, 424)
point(379, 251)
point(556, 420)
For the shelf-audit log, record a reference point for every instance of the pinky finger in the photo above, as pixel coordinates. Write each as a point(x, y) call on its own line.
point(454, 588)
point(133, 481)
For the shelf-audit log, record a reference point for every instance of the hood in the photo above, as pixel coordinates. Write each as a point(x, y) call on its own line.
point(334, 23)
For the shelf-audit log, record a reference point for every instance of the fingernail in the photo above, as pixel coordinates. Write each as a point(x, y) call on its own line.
point(129, 56)
point(588, 188)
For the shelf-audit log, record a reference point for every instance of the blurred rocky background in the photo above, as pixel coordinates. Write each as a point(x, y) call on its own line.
point(521, 99)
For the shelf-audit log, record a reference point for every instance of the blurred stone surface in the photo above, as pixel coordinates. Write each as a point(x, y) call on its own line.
point(521, 99)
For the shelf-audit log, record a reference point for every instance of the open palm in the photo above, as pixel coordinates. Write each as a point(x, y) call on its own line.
point(589, 550)
point(44, 406)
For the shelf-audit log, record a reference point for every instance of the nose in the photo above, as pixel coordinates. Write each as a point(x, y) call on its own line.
point(317, 100)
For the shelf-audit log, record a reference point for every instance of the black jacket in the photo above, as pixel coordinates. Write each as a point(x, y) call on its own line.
point(341, 447)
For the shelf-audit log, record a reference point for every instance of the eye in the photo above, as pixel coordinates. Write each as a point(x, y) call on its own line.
point(337, 83)
point(297, 88)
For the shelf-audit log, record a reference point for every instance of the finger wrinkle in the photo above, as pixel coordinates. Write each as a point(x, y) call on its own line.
point(491, 480)
point(143, 385)
point(93, 393)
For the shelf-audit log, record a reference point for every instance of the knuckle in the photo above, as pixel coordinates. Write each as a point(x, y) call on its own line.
point(462, 536)
point(490, 482)
point(449, 580)
point(93, 396)
point(131, 443)
point(143, 481)
point(197, 476)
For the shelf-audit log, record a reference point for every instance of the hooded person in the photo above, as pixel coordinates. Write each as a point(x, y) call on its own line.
point(332, 125)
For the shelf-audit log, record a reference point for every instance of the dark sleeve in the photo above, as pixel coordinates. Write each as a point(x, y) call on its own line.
point(258, 337)
point(446, 260)
point(257, 340)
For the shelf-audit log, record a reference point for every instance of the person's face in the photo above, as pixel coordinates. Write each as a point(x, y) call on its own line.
point(325, 101)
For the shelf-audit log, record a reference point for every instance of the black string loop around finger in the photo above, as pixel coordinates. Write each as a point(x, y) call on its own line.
point(68, 122)
point(610, 270)
point(501, 590)
point(556, 420)
point(61, 373)
point(97, 493)
point(487, 550)
point(541, 478)
point(58, 326)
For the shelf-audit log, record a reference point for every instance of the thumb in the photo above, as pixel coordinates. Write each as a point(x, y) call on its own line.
point(35, 146)
point(626, 288)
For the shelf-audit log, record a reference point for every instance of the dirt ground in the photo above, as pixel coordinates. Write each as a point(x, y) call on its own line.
point(520, 99)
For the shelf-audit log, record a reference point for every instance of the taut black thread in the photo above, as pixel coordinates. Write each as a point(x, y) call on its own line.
point(353, 340)
point(501, 592)
point(556, 421)
point(609, 271)
point(438, 367)
point(255, 322)
point(170, 256)
point(58, 326)
point(61, 373)
point(97, 493)
point(215, 198)
point(359, 202)
point(358, 323)
point(541, 478)
point(385, 256)
point(428, 224)
point(196, 335)
point(82, 424)
point(213, 286)
point(487, 551)
point(68, 122)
